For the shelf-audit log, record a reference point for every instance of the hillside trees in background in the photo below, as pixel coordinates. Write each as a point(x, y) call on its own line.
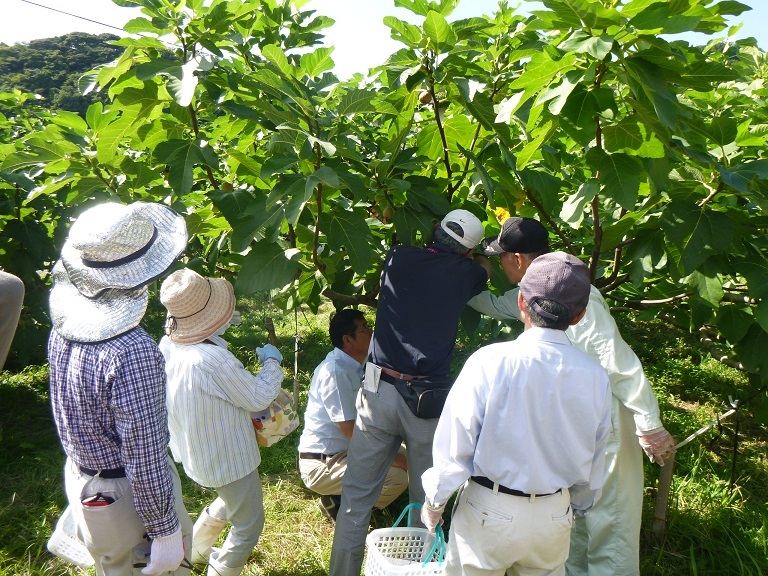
point(51, 68)
point(642, 154)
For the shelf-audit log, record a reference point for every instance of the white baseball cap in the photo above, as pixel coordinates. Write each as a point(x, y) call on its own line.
point(472, 228)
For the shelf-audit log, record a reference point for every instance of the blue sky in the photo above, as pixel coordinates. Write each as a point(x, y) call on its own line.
point(360, 38)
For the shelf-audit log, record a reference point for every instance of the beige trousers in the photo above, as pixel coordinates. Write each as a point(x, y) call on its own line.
point(324, 477)
point(11, 298)
point(493, 534)
point(114, 534)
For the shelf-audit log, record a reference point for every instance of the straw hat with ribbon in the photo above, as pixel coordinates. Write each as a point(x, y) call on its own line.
point(197, 306)
point(113, 251)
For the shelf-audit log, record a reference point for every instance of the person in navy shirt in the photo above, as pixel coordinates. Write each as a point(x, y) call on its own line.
point(423, 291)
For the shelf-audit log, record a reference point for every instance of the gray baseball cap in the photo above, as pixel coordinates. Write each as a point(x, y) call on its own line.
point(559, 277)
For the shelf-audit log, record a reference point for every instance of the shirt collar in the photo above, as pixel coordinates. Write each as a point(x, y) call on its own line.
point(537, 333)
point(438, 247)
point(345, 358)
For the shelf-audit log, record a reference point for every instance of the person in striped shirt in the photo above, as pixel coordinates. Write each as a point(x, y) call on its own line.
point(210, 399)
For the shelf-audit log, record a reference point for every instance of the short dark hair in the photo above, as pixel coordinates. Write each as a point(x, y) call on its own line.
point(442, 237)
point(343, 324)
point(552, 307)
point(533, 255)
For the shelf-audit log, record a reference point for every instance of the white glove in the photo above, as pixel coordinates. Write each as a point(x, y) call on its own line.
point(166, 554)
point(431, 515)
point(268, 351)
point(658, 444)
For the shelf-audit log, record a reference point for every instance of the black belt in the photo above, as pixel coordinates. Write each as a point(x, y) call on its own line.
point(488, 483)
point(315, 456)
point(110, 473)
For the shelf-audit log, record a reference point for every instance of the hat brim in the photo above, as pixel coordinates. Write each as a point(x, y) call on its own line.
point(491, 247)
point(81, 319)
point(204, 324)
point(169, 244)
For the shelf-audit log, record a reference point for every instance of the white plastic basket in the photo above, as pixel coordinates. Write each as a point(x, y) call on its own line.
point(65, 544)
point(405, 551)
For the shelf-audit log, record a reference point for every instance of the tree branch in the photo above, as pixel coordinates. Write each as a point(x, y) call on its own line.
point(316, 241)
point(712, 194)
point(100, 175)
point(440, 129)
point(707, 338)
point(606, 287)
point(466, 164)
point(370, 299)
point(597, 226)
point(616, 262)
point(196, 130)
point(598, 238)
point(643, 304)
point(552, 224)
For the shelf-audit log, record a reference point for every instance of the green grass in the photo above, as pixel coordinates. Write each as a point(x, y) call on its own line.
point(712, 528)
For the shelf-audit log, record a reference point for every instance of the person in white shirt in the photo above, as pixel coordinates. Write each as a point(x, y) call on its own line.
point(210, 400)
point(607, 542)
point(524, 427)
point(330, 416)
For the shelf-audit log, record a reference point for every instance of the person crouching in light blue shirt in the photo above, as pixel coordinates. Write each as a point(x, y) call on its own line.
point(524, 430)
point(330, 416)
point(210, 400)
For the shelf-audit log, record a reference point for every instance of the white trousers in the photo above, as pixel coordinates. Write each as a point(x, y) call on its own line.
point(606, 542)
point(493, 534)
point(114, 534)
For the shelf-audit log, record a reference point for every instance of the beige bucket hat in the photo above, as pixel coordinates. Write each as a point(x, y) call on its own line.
point(197, 306)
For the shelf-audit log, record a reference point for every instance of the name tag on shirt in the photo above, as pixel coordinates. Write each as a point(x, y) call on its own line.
point(372, 376)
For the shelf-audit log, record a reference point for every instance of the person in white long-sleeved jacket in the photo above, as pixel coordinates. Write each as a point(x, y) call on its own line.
point(526, 423)
point(210, 400)
point(607, 542)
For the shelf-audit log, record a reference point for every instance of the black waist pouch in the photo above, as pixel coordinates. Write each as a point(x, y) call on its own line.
point(425, 398)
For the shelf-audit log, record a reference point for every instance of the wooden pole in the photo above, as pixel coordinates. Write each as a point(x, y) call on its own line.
point(662, 498)
point(271, 331)
point(273, 340)
point(296, 358)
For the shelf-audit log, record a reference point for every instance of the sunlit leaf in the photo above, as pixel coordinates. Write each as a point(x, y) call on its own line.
point(439, 31)
point(277, 57)
point(317, 62)
point(267, 266)
point(582, 43)
point(404, 32)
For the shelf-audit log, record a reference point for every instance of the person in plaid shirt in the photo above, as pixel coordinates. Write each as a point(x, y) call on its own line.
point(108, 382)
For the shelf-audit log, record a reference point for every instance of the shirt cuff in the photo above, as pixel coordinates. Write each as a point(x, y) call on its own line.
point(646, 422)
point(164, 527)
